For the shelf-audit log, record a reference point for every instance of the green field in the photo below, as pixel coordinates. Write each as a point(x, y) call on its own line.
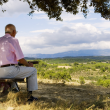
point(97, 72)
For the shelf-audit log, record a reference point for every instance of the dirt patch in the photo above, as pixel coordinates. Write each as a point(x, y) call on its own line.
point(64, 67)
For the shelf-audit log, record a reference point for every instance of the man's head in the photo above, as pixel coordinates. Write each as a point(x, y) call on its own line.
point(11, 29)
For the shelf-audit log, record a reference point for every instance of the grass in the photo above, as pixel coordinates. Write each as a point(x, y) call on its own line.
point(18, 101)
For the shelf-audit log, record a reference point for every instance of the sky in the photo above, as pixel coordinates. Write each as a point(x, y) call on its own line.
point(39, 34)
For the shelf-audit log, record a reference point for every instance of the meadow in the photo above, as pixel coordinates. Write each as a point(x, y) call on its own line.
point(66, 84)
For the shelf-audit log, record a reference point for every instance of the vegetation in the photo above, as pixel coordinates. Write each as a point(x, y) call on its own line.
point(82, 81)
point(55, 8)
point(85, 59)
point(52, 72)
point(91, 70)
point(86, 80)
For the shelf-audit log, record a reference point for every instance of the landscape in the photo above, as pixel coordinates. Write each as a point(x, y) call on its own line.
point(67, 83)
point(71, 41)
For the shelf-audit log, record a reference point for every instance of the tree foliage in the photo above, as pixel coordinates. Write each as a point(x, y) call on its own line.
point(54, 8)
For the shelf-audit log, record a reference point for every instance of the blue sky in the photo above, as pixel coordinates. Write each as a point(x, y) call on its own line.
point(38, 34)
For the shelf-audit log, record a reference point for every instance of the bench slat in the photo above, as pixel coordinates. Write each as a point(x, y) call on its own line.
point(11, 80)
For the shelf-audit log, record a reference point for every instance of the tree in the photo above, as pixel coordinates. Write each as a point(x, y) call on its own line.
point(54, 8)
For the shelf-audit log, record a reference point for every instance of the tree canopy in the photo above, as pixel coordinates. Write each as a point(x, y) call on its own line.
point(54, 8)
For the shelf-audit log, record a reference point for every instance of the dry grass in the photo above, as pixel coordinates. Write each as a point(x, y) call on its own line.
point(59, 97)
point(18, 101)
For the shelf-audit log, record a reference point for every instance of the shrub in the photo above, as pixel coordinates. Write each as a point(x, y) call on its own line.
point(93, 68)
point(88, 67)
point(108, 69)
point(97, 66)
point(104, 77)
point(105, 83)
point(76, 63)
point(82, 81)
point(93, 62)
point(81, 64)
point(51, 74)
point(103, 69)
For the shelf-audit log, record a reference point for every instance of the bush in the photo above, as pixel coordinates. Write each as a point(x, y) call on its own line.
point(97, 66)
point(93, 68)
point(105, 83)
point(104, 77)
point(108, 69)
point(103, 69)
point(82, 81)
point(76, 63)
point(51, 74)
point(93, 62)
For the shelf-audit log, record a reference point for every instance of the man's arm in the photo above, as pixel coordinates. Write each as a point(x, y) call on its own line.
point(24, 62)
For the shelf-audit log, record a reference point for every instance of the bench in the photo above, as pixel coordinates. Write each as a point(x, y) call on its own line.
point(17, 79)
point(12, 80)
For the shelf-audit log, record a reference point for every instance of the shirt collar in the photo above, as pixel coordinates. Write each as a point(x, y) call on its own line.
point(7, 35)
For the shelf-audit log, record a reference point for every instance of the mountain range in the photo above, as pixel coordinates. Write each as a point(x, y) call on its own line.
point(72, 54)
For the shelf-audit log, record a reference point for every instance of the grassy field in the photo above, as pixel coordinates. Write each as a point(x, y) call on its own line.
point(98, 73)
point(74, 85)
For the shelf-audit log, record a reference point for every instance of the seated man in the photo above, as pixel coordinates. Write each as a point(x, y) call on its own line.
point(10, 54)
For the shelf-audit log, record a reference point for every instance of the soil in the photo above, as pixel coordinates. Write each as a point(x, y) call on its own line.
point(64, 67)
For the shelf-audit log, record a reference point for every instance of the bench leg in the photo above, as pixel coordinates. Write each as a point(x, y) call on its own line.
point(17, 86)
point(14, 85)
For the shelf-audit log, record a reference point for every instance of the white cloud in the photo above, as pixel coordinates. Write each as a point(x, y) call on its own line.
point(92, 18)
point(70, 17)
point(65, 16)
point(39, 12)
point(103, 25)
point(15, 7)
point(77, 37)
point(45, 30)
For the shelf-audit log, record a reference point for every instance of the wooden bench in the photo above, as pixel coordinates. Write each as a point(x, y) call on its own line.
point(12, 80)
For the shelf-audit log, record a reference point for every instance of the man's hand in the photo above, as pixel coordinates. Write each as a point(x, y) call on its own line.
point(24, 62)
point(30, 64)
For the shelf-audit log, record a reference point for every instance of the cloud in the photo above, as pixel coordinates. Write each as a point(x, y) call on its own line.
point(77, 37)
point(40, 16)
point(70, 17)
point(65, 16)
point(92, 18)
point(45, 30)
point(15, 7)
point(103, 25)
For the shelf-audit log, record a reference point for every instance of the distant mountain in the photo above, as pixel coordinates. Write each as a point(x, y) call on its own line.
point(72, 54)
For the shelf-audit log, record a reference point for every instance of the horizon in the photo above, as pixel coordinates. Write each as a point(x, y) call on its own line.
point(81, 53)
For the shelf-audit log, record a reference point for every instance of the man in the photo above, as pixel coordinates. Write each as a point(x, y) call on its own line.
point(10, 54)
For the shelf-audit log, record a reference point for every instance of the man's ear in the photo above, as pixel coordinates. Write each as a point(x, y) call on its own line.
point(13, 31)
